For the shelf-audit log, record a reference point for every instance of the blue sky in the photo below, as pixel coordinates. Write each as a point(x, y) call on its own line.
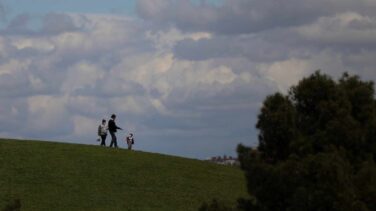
point(188, 78)
point(82, 6)
point(70, 6)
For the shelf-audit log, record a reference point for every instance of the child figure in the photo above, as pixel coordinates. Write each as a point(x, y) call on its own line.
point(102, 132)
point(130, 141)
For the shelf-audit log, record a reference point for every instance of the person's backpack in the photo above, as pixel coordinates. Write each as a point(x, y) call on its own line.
point(99, 130)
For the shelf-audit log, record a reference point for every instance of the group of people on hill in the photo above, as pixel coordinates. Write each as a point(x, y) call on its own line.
point(112, 128)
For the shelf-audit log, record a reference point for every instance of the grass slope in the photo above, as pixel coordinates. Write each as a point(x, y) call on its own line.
point(57, 176)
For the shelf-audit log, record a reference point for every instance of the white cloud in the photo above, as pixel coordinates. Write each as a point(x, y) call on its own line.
point(136, 105)
point(84, 126)
point(158, 105)
point(96, 33)
point(81, 75)
point(46, 114)
point(344, 28)
point(36, 83)
point(285, 73)
point(39, 44)
point(165, 40)
point(85, 105)
point(14, 66)
point(221, 74)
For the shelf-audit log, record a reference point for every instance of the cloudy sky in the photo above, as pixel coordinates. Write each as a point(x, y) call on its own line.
point(187, 77)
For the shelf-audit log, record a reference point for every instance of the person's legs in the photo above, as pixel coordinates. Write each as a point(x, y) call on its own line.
point(113, 139)
point(103, 143)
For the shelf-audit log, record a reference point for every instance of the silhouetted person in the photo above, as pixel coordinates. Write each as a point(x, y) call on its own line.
point(112, 127)
point(130, 141)
point(102, 132)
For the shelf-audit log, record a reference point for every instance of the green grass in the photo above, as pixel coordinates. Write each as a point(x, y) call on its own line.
point(57, 176)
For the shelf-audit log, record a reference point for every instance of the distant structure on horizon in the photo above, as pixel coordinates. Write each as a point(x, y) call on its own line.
point(225, 160)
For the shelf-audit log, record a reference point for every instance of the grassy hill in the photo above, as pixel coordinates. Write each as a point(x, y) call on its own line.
point(57, 176)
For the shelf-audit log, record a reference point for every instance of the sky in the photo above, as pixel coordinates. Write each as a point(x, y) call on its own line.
point(188, 78)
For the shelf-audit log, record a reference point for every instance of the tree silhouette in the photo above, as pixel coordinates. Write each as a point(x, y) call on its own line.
point(317, 148)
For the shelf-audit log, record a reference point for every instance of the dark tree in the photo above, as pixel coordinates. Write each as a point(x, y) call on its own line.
point(317, 148)
point(277, 127)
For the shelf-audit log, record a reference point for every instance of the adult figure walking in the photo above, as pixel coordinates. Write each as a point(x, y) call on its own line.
point(112, 127)
point(102, 132)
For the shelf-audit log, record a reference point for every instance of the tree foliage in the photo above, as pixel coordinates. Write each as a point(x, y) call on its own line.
point(317, 148)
